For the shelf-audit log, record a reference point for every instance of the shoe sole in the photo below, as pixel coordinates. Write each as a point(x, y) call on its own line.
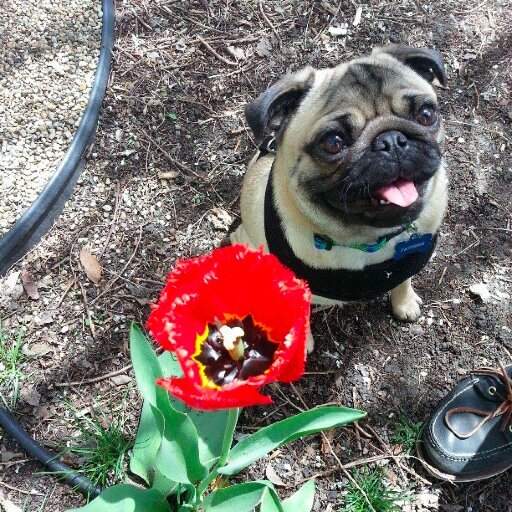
point(422, 456)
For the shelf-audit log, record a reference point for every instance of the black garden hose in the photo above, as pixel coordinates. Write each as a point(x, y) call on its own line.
point(41, 214)
point(39, 217)
point(33, 448)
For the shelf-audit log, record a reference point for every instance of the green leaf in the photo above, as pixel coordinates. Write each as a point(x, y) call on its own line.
point(171, 116)
point(271, 502)
point(177, 456)
point(210, 425)
point(146, 368)
point(127, 498)
point(147, 443)
point(302, 500)
point(269, 438)
point(243, 498)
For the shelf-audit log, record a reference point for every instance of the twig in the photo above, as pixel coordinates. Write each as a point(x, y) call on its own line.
point(111, 283)
point(114, 219)
point(17, 489)
point(420, 7)
point(63, 296)
point(247, 67)
point(342, 467)
point(466, 249)
point(362, 431)
point(358, 437)
point(88, 311)
point(238, 131)
point(442, 275)
point(169, 158)
point(215, 54)
point(348, 465)
point(507, 230)
point(387, 449)
point(144, 24)
point(269, 23)
point(93, 380)
point(84, 295)
point(508, 352)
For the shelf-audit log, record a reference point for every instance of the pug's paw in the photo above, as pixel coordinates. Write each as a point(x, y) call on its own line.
point(405, 302)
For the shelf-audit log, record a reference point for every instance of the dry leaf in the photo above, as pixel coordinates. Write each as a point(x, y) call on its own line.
point(12, 280)
point(271, 474)
point(37, 349)
point(29, 285)
point(8, 456)
point(91, 265)
point(44, 318)
point(31, 396)
point(121, 380)
point(264, 48)
point(44, 412)
point(8, 505)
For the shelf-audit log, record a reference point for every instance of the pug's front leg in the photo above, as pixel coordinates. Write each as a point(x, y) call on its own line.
point(239, 236)
point(405, 303)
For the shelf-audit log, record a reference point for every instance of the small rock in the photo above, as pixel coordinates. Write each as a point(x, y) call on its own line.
point(416, 329)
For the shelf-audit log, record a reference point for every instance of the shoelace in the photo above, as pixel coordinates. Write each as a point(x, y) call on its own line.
point(504, 409)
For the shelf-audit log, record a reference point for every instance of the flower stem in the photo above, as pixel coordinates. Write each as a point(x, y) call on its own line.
point(224, 453)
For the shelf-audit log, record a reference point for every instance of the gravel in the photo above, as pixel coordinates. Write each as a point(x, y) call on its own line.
point(48, 55)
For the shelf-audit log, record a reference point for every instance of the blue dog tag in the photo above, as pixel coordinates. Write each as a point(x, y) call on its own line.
point(417, 243)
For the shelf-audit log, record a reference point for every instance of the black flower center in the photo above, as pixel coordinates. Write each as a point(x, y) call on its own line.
point(221, 369)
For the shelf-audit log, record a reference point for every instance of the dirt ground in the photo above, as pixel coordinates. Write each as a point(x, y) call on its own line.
point(163, 182)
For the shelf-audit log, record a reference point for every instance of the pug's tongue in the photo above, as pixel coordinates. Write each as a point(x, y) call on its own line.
point(401, 192)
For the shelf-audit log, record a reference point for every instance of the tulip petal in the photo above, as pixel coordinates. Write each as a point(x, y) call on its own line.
point(241, 395)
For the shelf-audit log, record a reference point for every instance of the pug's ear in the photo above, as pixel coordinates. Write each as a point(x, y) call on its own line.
point(428, 63)
point(272, 108)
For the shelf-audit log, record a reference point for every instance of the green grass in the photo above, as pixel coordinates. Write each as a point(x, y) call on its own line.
point(382, 498)
point(102, 450)
point(11, 358)
point(406, 431)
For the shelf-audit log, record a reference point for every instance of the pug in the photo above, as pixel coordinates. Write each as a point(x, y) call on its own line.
point(350, 187)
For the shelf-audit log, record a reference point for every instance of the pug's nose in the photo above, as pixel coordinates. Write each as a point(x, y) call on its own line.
point(390, 142)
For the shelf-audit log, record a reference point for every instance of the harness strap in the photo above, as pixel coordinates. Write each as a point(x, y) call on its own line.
point(340, 284)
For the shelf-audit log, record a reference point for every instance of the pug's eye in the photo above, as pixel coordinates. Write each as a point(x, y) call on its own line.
point(332, 143)
point(427, 116)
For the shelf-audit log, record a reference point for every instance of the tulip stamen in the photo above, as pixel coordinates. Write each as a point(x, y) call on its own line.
point(232, 339)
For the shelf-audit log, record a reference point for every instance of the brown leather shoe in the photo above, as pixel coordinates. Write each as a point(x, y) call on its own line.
point(469, 435)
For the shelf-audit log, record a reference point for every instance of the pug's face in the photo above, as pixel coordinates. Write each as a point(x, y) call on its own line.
point(360, 142)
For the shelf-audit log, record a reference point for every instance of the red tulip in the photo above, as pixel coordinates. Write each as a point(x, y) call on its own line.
point(237, 319)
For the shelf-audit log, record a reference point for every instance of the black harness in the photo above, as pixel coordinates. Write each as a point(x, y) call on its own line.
point(340, 284)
